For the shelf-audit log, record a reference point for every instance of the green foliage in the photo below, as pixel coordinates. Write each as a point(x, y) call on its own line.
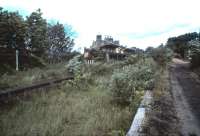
point(121, 90)
point(179, 44)
point(132, 59)
point(162, 55)
point(149, 50)
point(32, 37)
point(12, 29)
point(194, 53)
point(195, 61)
point(125, 83)
point(70, 109)
point(99, 69)
point(37, 33)
point(75, 67)
point(30, 76)
point(59, 44)
point(65, 110)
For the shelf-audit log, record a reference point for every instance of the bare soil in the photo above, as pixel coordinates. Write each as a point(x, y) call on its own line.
point(185, 89)
point(162, 119)
point(175, 111)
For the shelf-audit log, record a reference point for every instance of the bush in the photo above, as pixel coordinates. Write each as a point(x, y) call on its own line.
point(99, 69)
point(82, 79)
point(132, 59)
point(162, 55)
point(121, 89)
point(124, 83)
point(195, 57)
point(75, 64)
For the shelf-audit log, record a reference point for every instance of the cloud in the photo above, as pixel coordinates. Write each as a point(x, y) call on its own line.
point(134, 22)
point(154, 33)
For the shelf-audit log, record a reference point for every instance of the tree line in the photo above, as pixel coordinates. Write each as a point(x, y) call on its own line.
point(34, 34)
point(180, 44)
point(186, 46)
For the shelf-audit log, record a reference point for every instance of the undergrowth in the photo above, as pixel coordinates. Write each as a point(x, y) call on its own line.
point(86, 106)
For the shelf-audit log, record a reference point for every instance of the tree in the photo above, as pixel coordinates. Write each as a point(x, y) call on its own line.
point(179, 44)
point(12, 29)
point(37, 33)
point(59, 44)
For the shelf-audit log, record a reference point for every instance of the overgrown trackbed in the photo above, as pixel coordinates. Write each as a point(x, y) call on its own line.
point(185, 88)
point(13, 92)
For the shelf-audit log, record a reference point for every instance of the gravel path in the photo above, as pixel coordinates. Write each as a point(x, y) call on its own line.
point(185, 87)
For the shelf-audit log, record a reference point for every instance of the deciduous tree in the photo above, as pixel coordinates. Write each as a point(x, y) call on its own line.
point(59, 44)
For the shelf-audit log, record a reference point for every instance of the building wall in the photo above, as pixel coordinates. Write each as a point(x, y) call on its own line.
point(100, 42)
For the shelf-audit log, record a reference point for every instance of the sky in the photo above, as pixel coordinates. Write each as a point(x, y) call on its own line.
point(136, 23)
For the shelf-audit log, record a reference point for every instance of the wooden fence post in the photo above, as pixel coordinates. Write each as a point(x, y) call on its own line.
point(17, 60)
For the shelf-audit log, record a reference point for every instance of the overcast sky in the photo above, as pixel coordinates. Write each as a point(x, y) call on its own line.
point(139, 23)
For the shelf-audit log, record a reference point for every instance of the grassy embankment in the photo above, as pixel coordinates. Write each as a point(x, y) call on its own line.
point(82, 107)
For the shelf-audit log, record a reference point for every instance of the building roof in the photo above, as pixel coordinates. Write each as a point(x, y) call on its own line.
point(111, 46)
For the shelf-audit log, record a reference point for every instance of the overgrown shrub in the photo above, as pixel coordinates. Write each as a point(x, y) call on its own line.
point(195, 56)
point(82, 78)
point(122, 91)
point(75, 64)
point(195, 61)
point(99, 69)
point(132, 59)
point(162, 55)
point(124, 83)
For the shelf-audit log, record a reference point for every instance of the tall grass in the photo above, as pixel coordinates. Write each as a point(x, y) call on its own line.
point(69, 112)
point(33, 75)
point(83, 107)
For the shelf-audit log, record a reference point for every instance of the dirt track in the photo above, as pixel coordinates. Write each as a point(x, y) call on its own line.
point(185, 88)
